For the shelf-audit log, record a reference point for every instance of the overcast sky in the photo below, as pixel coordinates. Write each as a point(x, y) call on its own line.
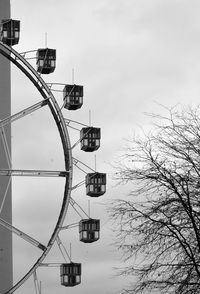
point(131, 56)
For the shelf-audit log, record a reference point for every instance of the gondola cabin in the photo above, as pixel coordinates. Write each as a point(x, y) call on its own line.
point(10, 30)
point(73, 96)
point(89, 230)
point(70, 274)
point(46, 60)
point(90, 139)
point(95, 184)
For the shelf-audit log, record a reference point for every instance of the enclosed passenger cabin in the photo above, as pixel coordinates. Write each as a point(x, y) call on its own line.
point(46, 60)
point(70, 274)
point(89, 230)
point(95, 184)
point(73, 96)
point(90, 139)
point(10, 30)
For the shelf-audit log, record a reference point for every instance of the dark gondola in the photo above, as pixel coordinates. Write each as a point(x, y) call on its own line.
point(10, 30)
point(95, 184)
point(70, 274)
point(73, 96)
point(90, 139)
point(46, 60)
point(89, 230)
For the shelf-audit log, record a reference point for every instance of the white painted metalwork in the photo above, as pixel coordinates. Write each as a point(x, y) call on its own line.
point(23, 113)
point(21, 234)
point(33, 173)
point(43, 88)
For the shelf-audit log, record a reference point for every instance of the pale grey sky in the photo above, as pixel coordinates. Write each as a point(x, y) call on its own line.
point(130, 55)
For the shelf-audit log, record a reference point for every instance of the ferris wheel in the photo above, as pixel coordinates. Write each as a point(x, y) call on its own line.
point(89, 141)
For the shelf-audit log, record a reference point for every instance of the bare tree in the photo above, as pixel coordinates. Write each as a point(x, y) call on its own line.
point(158, 225)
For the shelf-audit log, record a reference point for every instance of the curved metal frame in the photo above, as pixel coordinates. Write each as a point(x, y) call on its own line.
point(46, 93)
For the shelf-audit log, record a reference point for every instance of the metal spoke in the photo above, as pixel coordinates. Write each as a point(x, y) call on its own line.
point(33, 173)
point(22, 234)
point(23, 113)
point(5, 194)
point(50, 264)
point(6, 148)
point(38, 286)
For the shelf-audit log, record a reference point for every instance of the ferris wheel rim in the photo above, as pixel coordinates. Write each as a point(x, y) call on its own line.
point(46, 92)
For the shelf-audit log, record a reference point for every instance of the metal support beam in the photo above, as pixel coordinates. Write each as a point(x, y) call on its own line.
point(33, 173)
point(23, 113)
point(21, 234)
